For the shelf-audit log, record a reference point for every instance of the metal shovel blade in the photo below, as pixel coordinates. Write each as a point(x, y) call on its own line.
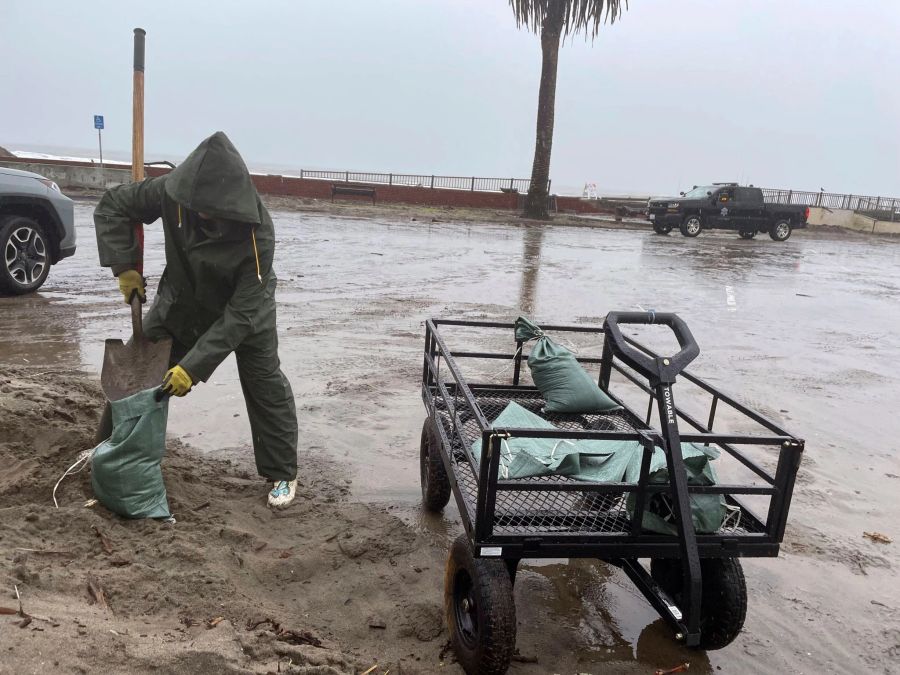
point(136, 365)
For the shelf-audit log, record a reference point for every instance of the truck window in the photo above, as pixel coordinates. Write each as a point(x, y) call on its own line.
point(749, 195)
point(726, 196)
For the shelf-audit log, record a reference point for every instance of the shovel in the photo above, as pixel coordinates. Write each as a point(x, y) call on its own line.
point(130, 367)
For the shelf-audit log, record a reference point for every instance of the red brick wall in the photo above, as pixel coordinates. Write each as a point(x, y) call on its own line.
point(321, 189)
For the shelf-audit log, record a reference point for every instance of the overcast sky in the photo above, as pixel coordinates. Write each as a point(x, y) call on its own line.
point(789, 93)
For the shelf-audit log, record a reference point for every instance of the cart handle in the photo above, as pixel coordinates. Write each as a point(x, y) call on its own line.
point(661, 369)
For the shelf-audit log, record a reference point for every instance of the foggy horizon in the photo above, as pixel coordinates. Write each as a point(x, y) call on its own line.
point(781, 96)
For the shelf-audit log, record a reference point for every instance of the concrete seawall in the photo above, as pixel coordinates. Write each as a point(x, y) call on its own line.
point(850, 220)
point(68, 176)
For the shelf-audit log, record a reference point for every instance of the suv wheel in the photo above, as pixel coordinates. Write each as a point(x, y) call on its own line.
point(662, 229)
point(691, 226)
point(781, 230)
point(747, 234)
point(24, 255)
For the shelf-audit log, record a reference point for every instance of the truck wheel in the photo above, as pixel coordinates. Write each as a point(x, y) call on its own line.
point(24, 255)
point(435, 484)
point(747, 234)
point(723, 601)
point(691, 226)
point(480, 610)
point(781, 230)
point(662, 229)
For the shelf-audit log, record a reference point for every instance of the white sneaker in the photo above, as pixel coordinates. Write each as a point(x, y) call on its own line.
point(283, 493)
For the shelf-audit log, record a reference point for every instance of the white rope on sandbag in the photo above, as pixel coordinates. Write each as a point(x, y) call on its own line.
point(84, 457)
point(561, 440)
point(515, 356)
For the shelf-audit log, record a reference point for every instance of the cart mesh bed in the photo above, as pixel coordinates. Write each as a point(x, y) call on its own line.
point(551, 510)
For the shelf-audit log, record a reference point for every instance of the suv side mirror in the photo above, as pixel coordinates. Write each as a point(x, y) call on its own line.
point(708, 193)
point(681, 193)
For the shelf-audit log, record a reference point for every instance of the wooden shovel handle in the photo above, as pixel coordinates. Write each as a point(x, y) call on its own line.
point(136, 321)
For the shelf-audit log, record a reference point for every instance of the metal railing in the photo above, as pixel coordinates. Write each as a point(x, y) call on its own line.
point(831, 200)
point(472, 183)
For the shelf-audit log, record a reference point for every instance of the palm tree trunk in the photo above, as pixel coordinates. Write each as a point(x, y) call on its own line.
point(537, 200)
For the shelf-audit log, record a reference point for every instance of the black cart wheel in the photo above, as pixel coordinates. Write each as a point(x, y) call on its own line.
point(435, 484)
point(723, 603)
point(480, 611)
point(691, 226)
point(24, 255)
point(662, 229)
point(780, 230)
point(747, 234)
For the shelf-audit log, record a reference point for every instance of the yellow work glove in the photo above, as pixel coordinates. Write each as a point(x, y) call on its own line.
point(177, 381)
point(131, 282)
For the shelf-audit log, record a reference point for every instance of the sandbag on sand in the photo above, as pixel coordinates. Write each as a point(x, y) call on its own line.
point(125, 469)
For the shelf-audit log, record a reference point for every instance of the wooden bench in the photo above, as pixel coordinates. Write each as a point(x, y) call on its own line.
point(353, 191)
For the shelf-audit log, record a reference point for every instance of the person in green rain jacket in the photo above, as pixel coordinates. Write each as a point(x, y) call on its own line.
point(217, 293)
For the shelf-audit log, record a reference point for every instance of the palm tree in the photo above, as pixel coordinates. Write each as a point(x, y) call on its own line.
point(553, 20)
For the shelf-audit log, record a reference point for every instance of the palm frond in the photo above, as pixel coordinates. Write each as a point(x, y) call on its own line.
point(577, 15)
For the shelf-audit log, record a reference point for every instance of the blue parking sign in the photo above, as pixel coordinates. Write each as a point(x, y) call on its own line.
point(98, 121)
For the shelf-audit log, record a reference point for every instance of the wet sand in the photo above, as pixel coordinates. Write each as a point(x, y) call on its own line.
point(806, 331)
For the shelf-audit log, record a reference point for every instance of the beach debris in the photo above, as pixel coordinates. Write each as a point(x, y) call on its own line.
point(26, 618)
point(104, 540)
point(297, 637)
point(212, 623)
point(201, 507)
point(878, 538)
point(370, 669)
point(524, 658)
point(677, 669)
point(45, 551)
point(291, 636)
point(97, 593)
point(89, 503)
point(253, 624)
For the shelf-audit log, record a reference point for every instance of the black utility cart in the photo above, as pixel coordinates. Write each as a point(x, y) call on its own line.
point(694, 581)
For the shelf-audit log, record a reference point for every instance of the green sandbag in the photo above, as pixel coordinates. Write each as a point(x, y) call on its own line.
point(608, 461)
point(707, 511)
point(125, 471)
point(564, 384)
point(587, 460)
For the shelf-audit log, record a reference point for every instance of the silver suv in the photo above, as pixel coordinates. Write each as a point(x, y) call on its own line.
point(37, 229)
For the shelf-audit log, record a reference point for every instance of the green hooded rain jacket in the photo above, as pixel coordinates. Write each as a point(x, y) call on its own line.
point(218, 286)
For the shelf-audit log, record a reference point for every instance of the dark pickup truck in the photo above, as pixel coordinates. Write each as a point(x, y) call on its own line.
point(726, 206)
